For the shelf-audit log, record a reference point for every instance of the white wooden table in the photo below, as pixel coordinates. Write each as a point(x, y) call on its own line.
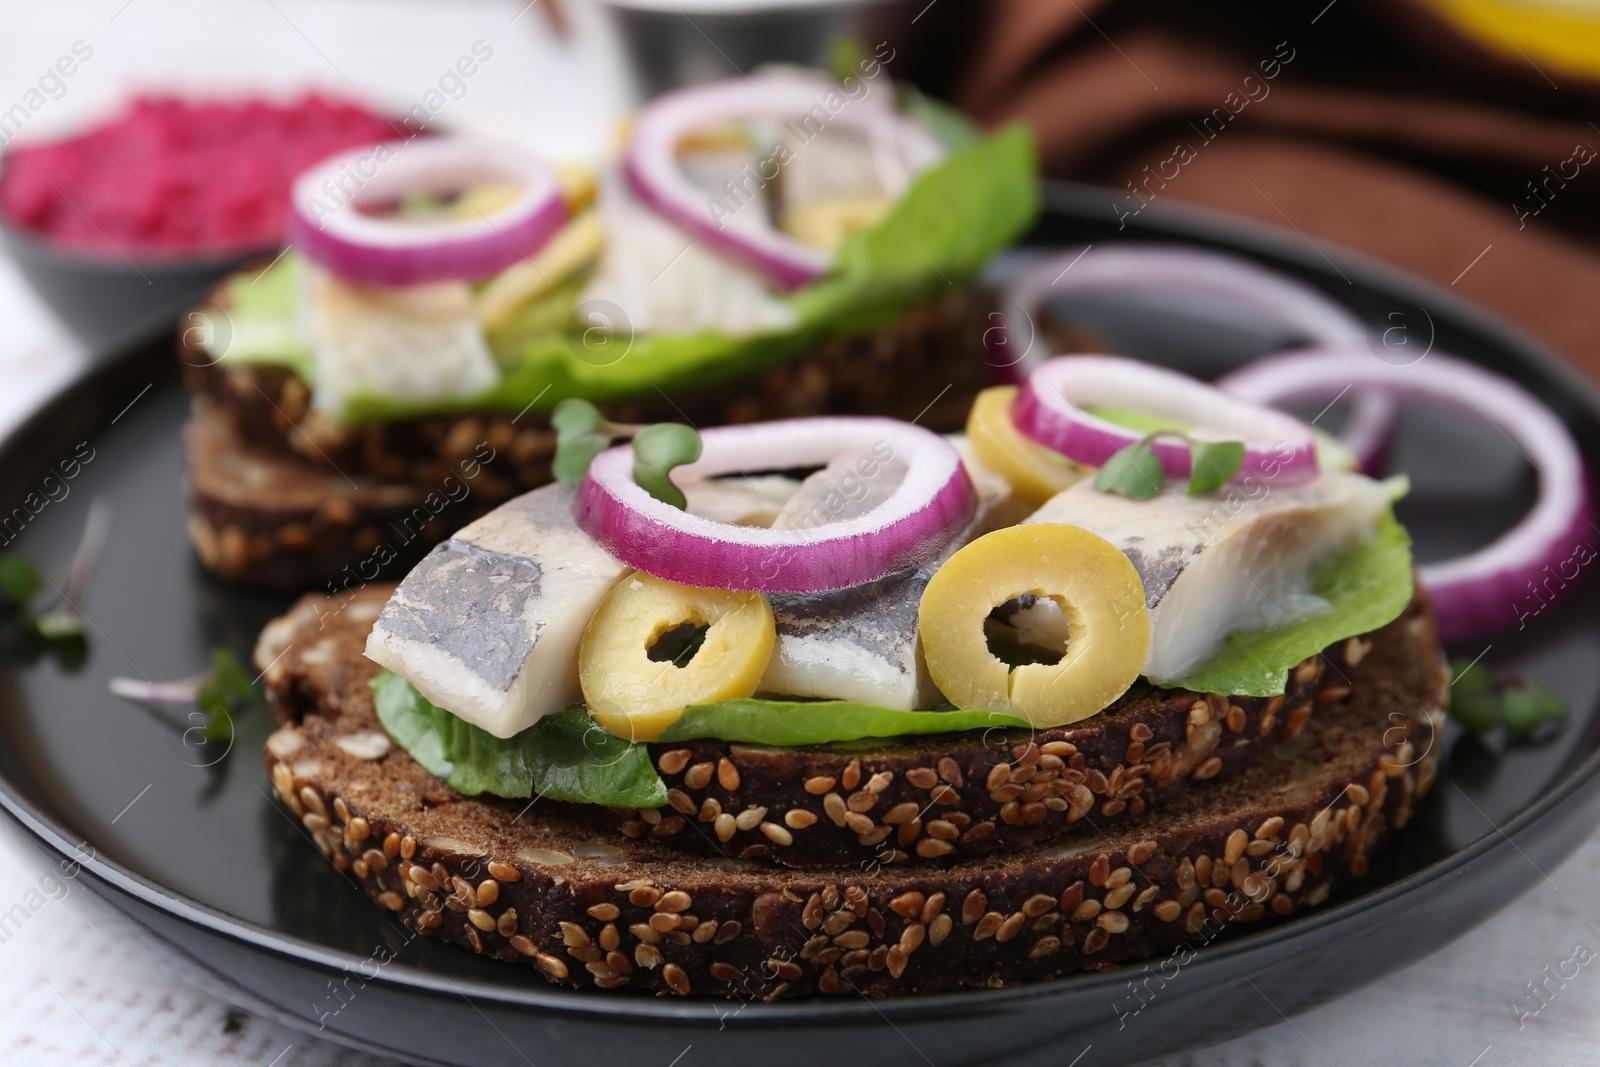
point(70, 994)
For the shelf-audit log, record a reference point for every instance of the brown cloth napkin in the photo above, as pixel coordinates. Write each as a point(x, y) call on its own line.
point(1369, 123)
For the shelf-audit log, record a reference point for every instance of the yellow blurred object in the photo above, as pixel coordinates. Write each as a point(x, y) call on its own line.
point(1034, 474)
point(825, 222)
point(1563, 35)
point(483, 198)
point(573, 248)
point(636, 697)
point(577, 183)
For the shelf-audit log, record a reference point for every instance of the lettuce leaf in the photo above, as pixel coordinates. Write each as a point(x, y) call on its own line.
point(566, 756)
point(952, 220)
point(790, 723)
point(1368, 587)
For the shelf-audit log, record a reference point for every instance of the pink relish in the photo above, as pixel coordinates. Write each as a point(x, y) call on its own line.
point(171, 177)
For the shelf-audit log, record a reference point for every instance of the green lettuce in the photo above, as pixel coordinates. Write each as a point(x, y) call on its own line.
point(952, 220)
point(566, 756)
point(1368, 587)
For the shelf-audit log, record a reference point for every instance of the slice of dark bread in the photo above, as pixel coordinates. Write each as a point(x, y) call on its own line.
point(926, 364)
point(524, 883)
point(967, 794)
point(892, 801)
point(272, 520)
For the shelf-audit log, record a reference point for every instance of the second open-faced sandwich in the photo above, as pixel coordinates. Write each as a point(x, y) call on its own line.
point(774, 246)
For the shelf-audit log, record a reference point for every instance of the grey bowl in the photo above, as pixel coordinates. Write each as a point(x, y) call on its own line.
point(113, 303)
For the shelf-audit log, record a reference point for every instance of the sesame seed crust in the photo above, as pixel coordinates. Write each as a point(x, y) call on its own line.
point(969, 795)
point(641, 914)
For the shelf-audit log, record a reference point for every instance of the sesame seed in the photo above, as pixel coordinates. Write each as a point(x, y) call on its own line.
point(901, 813)
point(725, 826)
point(1117, 897)
point(777, 834)
point(1045, 946)
point(907, 904)
point(699, 775)
point(727, 774)
point(675, 901)
point(1038, 904)
point(1112, 922)
point(674, 761)
point(852, 774)
point(605, 912)
point(1235, 847)
point(819, 785)
point(799, 818)
point(750, 818)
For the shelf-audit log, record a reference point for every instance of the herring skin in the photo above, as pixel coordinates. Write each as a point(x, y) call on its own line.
point(487, 625)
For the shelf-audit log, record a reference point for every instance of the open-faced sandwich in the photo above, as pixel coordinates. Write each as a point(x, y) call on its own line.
point(775, 246)
point(842, 705)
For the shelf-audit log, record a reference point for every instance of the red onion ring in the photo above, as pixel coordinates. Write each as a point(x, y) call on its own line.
point(1142, 267)
point(1368, 432)
point(651, 165)
point(925, 512)
point(328, 228)
point(1480, 592)
point(1047, 410)
point(1317, 319)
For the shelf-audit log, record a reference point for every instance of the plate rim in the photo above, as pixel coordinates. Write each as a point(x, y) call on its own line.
point(1190, 223)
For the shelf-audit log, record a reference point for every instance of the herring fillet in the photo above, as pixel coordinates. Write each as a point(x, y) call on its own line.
point(1217, 565)
point(861, 643)
point(746, 500)
point(415, 342)
point(487, 625)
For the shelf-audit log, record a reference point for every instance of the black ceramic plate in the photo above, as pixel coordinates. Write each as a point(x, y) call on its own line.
point(201, 864)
